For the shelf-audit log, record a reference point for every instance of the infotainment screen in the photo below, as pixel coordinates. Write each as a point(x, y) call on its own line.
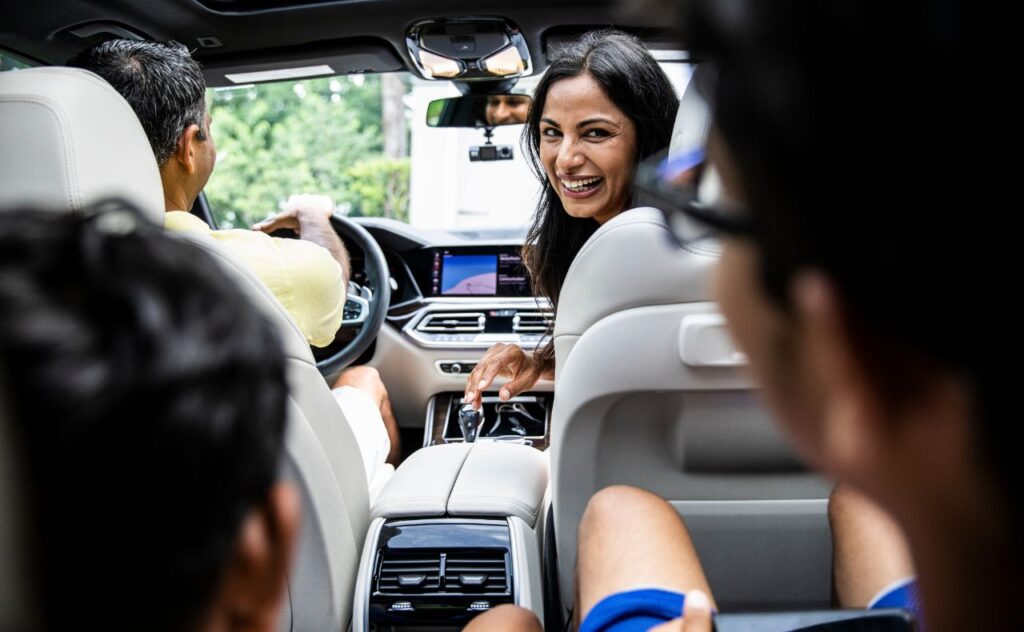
point(496, 271)
point(469, 275)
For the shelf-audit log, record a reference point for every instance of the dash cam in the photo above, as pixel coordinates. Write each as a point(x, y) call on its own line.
point(490, 152)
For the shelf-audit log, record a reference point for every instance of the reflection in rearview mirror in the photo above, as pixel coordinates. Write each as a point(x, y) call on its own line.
point(489, 110)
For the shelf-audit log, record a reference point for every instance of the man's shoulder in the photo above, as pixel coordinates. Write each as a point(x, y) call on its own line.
point(306, 263)
point(180, 221)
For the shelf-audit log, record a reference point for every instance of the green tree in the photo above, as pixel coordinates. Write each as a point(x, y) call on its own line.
point(379, 187)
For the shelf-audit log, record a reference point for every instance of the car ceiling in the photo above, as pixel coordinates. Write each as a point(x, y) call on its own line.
point(359, 35)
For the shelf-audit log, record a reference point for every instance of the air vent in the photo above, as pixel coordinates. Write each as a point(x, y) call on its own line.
point(532, 321)
point(409, 573)
point(476, 572)
point(450, 322)
point(465, 572)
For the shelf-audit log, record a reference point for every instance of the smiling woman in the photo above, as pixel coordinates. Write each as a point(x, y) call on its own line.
point(588, 149)
point(603, 105)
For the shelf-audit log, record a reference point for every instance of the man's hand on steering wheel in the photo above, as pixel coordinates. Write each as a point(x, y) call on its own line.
point(310, 217)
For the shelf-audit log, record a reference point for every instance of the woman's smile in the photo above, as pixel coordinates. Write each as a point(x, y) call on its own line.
point(588, 149)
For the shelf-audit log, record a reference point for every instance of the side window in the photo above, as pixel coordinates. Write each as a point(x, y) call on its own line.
point(12, 62)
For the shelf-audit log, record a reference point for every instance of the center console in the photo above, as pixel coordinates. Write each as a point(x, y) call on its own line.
point(524, 419)
point(440, 572)
point(474, 297)
point(455, 532)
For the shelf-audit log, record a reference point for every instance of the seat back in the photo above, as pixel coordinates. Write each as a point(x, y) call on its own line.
point(651, 392)
point(629, 262)
point(322, 460)
point(70, 140)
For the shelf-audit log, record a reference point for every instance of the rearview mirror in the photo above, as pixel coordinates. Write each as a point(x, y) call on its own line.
point(490, 110)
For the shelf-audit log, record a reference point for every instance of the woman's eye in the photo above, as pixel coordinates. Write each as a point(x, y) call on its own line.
point(596, 133)
point(549, 131)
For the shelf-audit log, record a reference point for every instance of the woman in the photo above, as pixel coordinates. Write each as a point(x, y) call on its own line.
point(603, 105)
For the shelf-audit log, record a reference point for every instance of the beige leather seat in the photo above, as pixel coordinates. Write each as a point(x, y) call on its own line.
point(651, 392)
point(69, 140)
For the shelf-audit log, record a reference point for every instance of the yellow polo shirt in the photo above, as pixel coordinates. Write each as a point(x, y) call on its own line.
point(303, 276)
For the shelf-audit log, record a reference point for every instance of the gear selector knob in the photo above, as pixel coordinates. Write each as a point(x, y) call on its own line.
point(469, 422)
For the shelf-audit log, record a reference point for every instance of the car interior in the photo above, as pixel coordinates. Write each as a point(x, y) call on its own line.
point(649, 390)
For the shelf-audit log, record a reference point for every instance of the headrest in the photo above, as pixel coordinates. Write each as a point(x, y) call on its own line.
point(629, 262)
point(70, 140)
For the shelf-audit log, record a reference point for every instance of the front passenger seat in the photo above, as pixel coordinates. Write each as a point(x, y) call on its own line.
point(651, 392)
point(70, 140)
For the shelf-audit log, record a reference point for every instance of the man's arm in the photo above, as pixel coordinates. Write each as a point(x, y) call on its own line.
point(310, 217)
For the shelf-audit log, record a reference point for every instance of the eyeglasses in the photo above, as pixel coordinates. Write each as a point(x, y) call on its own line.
point(688, 191)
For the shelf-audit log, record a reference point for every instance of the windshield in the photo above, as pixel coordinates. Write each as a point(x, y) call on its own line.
point(363, 140)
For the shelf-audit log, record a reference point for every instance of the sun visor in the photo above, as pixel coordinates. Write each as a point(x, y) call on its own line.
point(362, 55)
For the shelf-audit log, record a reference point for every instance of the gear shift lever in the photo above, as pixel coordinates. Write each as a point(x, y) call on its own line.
point(469, 422)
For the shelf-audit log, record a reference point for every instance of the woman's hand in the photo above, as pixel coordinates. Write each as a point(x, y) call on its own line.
point(522, 368)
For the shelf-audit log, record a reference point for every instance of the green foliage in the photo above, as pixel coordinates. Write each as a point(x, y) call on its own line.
point(310, 136)
point(379, 187)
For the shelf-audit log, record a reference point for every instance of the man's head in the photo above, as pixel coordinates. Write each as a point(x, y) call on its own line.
point(869, 293)
point(165, 87)
point(507, 109)
point(150, 398)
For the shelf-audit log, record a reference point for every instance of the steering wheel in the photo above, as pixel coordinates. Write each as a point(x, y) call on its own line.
point(366, 306)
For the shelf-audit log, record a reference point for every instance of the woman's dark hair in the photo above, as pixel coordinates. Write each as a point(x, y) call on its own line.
point(636, 84)
point(866, 138)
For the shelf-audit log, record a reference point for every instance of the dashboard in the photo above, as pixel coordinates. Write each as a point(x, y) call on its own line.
point(454, 294)
point(459, 290)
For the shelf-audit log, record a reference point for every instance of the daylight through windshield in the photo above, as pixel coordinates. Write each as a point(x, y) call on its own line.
point(363, 140)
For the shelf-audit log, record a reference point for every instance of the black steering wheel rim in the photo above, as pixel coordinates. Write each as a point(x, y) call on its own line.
point(379, 276)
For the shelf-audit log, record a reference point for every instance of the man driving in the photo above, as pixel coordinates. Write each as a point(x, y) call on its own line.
point(309, 275)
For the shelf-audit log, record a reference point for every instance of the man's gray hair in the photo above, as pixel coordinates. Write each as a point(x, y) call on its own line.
point(161, 82)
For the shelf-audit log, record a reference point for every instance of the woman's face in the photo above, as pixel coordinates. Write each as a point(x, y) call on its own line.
point(588, 149)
